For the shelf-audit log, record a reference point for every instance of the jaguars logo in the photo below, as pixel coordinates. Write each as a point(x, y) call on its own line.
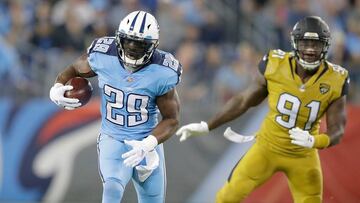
point(324, 88)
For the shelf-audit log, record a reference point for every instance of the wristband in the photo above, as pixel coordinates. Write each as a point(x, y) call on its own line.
point(151, 142)
point(321, 141)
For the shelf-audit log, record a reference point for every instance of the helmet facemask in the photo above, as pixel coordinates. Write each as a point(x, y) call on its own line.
point(134, 52)
point(310, 52)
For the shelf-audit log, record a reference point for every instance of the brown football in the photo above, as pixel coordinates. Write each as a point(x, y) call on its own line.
point(82, 89)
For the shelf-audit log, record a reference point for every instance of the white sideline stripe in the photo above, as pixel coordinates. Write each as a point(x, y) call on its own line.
point(207, 190)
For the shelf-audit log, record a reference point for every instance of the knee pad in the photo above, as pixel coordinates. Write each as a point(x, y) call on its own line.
point(149, 196)
point(113, 190)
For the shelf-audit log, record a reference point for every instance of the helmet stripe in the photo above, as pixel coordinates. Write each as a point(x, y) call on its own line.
point(143, 24)
point(133, 22)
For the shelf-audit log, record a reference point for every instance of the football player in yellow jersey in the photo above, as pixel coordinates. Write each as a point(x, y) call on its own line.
point(301, 87)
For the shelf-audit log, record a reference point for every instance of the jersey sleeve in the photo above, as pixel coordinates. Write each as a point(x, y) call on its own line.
point(90, 49)
point(98, 49)
point(92, 56)
point(345, 87)
point(263, 63)
point(169, 80)
point(170, 70)
point(167, 84)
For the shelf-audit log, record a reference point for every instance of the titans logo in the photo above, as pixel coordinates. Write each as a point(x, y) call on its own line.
point(38, 145)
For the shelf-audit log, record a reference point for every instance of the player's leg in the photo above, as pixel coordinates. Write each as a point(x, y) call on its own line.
point(152, 190)
point(305, 179)
point(114, 174)
point(251, 171)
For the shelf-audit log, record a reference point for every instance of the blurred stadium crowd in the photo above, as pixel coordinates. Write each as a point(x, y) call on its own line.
point(219, 43)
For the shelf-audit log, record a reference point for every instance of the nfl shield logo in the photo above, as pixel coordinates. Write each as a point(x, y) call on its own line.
point(324, 88)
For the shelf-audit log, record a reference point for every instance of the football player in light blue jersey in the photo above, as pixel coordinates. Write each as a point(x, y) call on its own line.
point(136, 81)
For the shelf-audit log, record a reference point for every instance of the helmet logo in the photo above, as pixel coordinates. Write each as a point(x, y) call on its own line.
point(143, 24)
point(133, 22)
point(311, 35)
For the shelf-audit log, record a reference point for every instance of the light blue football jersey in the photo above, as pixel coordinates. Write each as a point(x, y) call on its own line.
point(128, 100)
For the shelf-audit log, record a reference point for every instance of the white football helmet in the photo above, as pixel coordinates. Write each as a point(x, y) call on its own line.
point(137, 38)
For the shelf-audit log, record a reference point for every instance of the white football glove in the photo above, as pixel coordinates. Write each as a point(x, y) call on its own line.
point(57, 96)
point(301, 138)
point(235, 137)
point(139, 150)
point(192, 129)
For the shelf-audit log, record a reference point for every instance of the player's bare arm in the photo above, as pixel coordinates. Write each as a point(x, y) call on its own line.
point(240, 103)
point(336, 120)
point(169, 106)
point(79, 68)
point(235, 107)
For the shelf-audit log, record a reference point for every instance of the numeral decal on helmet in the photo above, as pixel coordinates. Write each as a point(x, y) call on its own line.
point(289, 107)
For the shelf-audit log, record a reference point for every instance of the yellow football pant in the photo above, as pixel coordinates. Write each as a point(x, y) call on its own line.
point(259, 164)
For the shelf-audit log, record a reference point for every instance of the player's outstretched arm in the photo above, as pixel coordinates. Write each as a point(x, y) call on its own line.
point(240, 103)
point(235, 107)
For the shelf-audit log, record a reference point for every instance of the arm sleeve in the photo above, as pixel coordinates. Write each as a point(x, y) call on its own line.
point(91, 47)
point(92, 59)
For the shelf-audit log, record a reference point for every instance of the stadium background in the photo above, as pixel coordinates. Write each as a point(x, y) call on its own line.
point(49, 155)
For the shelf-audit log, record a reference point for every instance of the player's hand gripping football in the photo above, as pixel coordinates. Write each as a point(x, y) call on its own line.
point(193, 129)
point(139, 150)
point(57, 96)
point(301, 138)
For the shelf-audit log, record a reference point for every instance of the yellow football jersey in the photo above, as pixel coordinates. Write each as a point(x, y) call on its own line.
point(294, 104)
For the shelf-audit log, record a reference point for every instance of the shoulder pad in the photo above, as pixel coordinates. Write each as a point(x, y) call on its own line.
point(277, 53)
point(271, 63)
point(167, 60)
point(338, 69)
point(341, 73)
point(104, 45)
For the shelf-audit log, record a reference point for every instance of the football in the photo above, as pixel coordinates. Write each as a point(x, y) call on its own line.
point(82, 89)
